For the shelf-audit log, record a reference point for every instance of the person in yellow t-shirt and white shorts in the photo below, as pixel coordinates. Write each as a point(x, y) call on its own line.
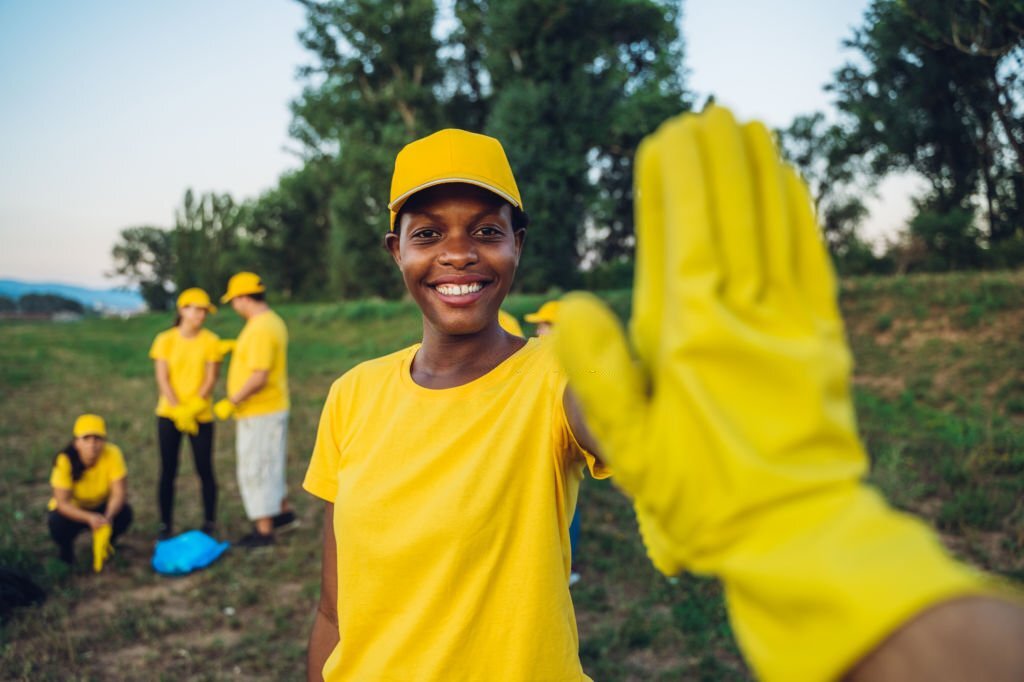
point(89, 488)
point(450, 469)
point(258, 399)
point(186, 361)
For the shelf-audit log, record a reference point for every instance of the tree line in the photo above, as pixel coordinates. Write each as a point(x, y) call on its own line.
point(570, 88)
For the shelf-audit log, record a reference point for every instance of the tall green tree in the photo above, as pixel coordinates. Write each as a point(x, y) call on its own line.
point(371, 88)
point(571, 88)
point(209, 241)
point(144, 257)
point(919, 101)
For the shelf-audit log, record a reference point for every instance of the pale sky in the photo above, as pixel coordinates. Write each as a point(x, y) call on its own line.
point(110, 109)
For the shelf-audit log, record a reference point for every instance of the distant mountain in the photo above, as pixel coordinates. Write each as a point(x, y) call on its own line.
point(102, 300)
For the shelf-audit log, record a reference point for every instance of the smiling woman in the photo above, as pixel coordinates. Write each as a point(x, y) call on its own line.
point(450, 469)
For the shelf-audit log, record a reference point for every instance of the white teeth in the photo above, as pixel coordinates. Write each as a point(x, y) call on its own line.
point(459, 289)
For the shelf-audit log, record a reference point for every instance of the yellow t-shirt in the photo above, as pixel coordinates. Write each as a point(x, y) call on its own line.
point(186, 365)
point(452, 511)
point(262, 345)
point(93, 488)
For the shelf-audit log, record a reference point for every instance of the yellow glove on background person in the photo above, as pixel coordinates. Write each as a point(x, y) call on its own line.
point(224, 409)
point(225, 346)
point(730, 423)
point(184, 419)
point(101, 547)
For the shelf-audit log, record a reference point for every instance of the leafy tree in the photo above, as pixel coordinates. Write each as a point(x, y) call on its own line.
point(209, 241)
point(7, 304)
point(571, 89)
point(144, 256)
point(371, 90)
point(924, 97)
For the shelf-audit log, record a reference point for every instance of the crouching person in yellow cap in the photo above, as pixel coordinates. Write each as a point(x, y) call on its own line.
point(258, 399)
point(89, 491)
point(187, 361)
point(450, 469)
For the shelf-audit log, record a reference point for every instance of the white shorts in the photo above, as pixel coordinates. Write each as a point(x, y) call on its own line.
point(261, 450)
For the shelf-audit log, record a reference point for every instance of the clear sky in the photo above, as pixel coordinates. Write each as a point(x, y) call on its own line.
point(110, 109)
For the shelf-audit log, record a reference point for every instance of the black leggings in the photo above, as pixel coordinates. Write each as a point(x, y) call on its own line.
point(64, 530)
point(202, 453)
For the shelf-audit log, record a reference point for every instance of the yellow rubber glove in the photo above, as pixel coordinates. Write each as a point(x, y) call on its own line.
point(101, 547)
point(184, 419)
point(225, 346)
point(224, 409)
point(196, 405)
point(729, 419)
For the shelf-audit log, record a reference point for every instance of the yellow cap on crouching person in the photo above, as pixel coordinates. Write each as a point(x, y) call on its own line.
point(90, 425)
point(452, 155)
point(242, 284)
point(197, 297)
point(547, 313)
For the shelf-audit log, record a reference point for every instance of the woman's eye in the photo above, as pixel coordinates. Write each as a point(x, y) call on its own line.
point(489, 231)
point(424, 234)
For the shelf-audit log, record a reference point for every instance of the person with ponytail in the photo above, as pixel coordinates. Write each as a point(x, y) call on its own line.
point(187, 360)
point(89, 489)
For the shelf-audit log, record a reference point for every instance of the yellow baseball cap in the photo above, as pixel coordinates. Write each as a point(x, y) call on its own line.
point(90, 425)
point(509, 323)
point(452, 155)
point(547, 313)
point(241, 284)
point(197, 297)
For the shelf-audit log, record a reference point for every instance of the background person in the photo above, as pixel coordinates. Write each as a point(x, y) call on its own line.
point(450, 468)
point(89, 489)
point(258, 398)
point(187, 361)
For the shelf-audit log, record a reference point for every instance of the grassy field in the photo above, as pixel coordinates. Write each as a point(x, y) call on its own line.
point(939, 385)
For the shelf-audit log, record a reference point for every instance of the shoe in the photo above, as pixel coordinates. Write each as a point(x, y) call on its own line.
point(285, 521)
point(255, 539)
point(210, 528)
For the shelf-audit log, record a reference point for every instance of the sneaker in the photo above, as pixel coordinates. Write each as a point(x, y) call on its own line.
point(255, 539)
point(286, 521)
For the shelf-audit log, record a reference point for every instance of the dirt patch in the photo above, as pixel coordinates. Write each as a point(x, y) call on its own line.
point(887, 386)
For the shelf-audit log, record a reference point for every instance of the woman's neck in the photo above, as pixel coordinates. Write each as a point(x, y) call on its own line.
point(446, 361)
point(188, 332)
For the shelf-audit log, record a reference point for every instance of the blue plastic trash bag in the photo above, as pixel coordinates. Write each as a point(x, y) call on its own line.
point(187, 552)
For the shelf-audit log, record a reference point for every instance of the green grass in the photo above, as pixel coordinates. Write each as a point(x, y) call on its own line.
point(939, 383)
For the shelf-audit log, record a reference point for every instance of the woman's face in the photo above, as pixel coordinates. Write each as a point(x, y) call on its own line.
point(192, 316)
point(458, 254)
point(89, 448)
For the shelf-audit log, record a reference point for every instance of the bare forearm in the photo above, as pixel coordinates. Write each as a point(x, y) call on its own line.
point(163, 383)
point(75, 513)
point(209, 380)
point(114, 504)
point(975, 638)
point(322, 640)
point(256, 381)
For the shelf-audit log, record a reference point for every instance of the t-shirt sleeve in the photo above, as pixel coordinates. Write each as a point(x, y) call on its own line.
point(261, 348)
point(212, 352)
point(575, 451)
point(60, 477)
point(161, 348)
point(117, 468)
point(322, 475)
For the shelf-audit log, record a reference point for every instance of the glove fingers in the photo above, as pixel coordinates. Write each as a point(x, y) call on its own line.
point(650, 280)
point(770, 189)
point(732, 203)
point(815, 276)
point(603, 376)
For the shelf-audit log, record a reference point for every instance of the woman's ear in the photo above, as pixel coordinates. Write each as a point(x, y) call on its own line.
point(391, 243)
point(520, 237)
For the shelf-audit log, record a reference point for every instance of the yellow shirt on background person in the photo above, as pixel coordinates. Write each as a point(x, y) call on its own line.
point(186, 365)
point(262, 345)
point(452, 511)
point(93, 488)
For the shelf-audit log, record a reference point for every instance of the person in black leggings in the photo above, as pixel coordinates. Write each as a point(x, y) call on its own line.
point(187, 360)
